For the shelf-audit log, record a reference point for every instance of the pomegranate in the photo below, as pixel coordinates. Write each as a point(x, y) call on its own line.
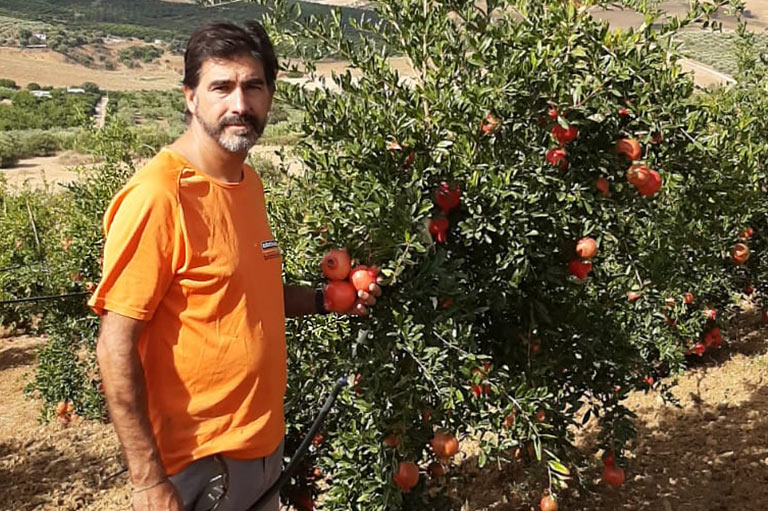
point(603, 186)
point(586, 248)
point(447, 198)
point(630, 148)
point(652, 186)
point(392, 441)
point(638, 175)
point(362, 277)
point(613, 475)
point(444, 445)
point(336, 264)
point(435, 470)
point(739, 253)
point(699, 349)
point(553, 113)
point(688, 298)
point(407, 476)
point(490, 125)
point(340, 296)
point(565, 135)
point(579, 269)
point(438, 227)
point(548, 503)
point(557, 158)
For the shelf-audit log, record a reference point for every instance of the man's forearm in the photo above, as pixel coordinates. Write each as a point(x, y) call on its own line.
point(299, 301)
point(126, 395)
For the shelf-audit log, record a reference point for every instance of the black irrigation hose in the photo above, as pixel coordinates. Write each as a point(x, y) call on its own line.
point(44, 298)
point(302, 450)
point(19, 266)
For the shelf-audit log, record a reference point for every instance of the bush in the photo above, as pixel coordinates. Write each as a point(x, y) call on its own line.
point(8, 84)
point(68, 226)
point(490, 323)
point(9, 150)
point(91, 87)
point(38, 143)
point(61, 110)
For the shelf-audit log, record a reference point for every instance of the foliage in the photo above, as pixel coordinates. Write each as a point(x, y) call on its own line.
point(8, 84)
point(143, 19)
point(146, 54)
point(498, 291)
point(69, 253)
point(9, 153)
point(61, 110)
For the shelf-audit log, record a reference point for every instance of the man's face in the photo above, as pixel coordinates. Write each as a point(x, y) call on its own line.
point(231, 101)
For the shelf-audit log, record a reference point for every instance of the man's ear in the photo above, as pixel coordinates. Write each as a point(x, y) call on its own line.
point(190, 98)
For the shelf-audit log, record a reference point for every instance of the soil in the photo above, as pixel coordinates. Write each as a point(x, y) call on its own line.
point(47, 67)
point(45, 171)
point(709, 453)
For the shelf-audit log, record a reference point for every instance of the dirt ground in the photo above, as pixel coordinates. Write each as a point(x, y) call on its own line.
point(708, 454)
point(45, 171)
point(756, 14)
point(47, 67)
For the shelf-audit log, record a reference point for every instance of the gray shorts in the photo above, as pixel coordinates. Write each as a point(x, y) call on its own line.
point(246, 481)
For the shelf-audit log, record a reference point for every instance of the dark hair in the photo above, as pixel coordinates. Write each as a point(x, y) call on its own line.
point(227, 41)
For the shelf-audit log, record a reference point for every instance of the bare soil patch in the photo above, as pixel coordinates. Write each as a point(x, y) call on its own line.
point(46, 171)
point(47, 67)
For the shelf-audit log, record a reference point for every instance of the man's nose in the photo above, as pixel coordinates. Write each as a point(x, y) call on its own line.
point(237, 101)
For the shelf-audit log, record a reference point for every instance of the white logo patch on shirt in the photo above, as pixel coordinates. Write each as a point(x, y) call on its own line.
point(270, 249)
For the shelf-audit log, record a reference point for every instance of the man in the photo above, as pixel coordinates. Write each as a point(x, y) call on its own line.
point(192, 342)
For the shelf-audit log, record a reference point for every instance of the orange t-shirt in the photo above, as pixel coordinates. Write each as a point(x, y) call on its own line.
point(196, 259)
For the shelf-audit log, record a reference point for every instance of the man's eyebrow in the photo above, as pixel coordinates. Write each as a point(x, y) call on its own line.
point(255, 81)
point(217, 83)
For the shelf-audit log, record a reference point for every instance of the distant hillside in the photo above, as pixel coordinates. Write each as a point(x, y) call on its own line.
point(146, 19)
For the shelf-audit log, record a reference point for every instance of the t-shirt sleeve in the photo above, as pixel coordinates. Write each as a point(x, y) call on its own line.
point(139, 249)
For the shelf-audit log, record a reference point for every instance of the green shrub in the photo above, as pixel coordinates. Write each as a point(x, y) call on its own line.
point(9, 150)
point(490, 322)
point(8, 84)
point(38, 143)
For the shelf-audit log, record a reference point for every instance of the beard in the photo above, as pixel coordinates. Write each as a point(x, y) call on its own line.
point(238, 140)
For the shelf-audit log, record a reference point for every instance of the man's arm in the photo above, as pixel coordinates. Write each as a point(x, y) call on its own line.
point(301, 301)
point(126, 394)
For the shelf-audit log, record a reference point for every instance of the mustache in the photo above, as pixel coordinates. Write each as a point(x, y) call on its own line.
point(248, 120)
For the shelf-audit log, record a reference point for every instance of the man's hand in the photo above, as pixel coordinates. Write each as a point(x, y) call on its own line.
point(162, 497)
point(366, 299)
